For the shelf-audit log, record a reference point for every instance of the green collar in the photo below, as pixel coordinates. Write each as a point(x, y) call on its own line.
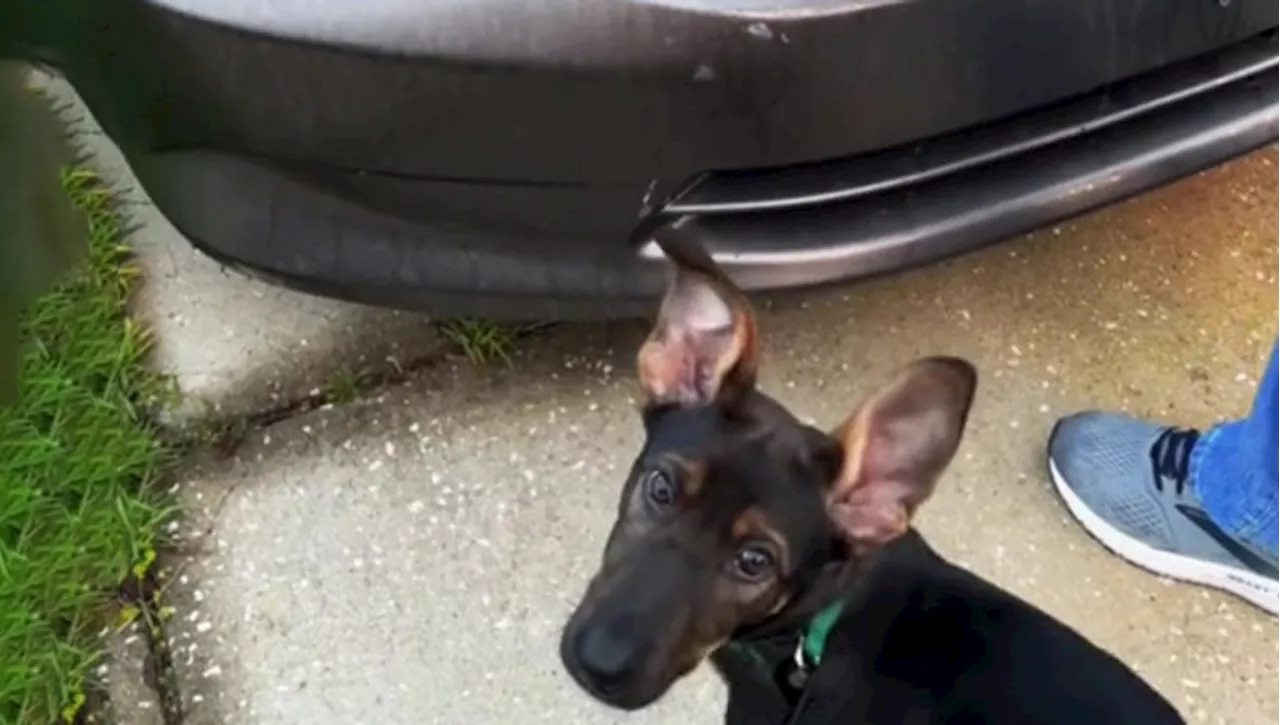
point(814, 640)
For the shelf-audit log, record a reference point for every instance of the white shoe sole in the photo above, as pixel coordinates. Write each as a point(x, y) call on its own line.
point(1257, 590)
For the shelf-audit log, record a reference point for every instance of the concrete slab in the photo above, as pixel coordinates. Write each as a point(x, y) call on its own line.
point(236, 345)
point(410, 558)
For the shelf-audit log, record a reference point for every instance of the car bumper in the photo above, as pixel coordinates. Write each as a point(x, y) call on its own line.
point(773, 229)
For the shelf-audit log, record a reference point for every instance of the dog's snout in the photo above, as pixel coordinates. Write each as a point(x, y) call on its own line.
point(611, 653)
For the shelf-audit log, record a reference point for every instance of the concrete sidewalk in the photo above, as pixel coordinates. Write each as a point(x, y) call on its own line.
point(409, 558)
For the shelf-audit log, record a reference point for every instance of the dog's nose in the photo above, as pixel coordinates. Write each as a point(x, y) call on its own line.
point(611, 653)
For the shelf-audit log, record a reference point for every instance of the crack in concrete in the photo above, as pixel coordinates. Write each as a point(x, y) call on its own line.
point(228, 436)
point(157, 675)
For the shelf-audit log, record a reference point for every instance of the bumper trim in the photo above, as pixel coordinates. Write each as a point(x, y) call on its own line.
point(959, 212)
point(835, 180)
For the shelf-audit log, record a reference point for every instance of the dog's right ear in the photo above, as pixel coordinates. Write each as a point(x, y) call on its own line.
point(703, 345)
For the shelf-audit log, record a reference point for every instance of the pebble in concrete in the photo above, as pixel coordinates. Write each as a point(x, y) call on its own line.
point(233, 344)
point(411, 557)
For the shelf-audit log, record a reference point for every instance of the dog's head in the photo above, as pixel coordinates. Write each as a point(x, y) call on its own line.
point(735, 513)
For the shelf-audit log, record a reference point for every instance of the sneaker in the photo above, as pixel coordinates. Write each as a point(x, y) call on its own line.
point(1127, 482)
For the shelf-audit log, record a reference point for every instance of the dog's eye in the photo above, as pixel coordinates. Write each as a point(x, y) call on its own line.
point(659, 488)
point(753, 562)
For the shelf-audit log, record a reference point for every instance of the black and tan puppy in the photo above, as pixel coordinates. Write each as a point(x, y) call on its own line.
point(785, 553)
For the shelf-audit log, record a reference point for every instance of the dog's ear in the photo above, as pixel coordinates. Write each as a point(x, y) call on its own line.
point(896, 444)
point(703, 345)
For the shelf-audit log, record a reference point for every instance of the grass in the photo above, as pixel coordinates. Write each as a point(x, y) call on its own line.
point(79, 464)
point(344, 387)
point(483, 342)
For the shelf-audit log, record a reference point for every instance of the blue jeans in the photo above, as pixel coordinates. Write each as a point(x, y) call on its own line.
point(1233, 468)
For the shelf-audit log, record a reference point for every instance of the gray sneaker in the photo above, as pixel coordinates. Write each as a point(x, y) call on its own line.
point(1127, 482)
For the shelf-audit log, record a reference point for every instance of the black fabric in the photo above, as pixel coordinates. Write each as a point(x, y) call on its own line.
point(751, 670)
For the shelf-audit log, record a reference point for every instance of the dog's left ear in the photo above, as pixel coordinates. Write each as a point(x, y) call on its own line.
point(895, 445)
point(703, 345)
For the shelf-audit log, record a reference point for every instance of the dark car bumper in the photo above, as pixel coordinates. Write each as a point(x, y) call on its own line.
point(773, 230)
point(510, 175)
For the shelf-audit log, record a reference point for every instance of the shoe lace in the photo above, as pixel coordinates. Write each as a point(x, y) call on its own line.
point(1171, 457)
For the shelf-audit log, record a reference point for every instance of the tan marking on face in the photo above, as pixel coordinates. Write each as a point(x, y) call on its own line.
point(782, 602)
point(754, 523)
point(745, 525)
point(695, 476)
point(710, 649)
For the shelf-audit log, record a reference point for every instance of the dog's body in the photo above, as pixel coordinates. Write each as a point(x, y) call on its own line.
point(922, 641)
point(738, 523)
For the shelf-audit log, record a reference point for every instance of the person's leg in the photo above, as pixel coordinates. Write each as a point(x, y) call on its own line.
point(1197, 507)
point(1234, 468)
